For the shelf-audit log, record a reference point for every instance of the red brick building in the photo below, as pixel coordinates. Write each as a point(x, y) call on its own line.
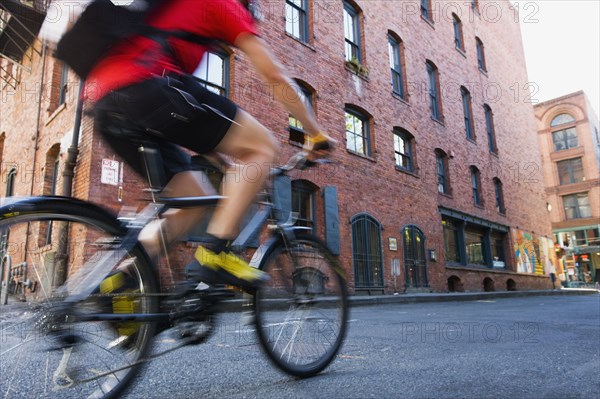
point(437, 181)
point(568, 131)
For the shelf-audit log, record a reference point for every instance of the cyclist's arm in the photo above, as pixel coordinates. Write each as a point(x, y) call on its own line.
point(273, 73)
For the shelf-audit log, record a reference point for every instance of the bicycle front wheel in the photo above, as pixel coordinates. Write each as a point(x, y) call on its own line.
point(301, 314)
point(95, 351)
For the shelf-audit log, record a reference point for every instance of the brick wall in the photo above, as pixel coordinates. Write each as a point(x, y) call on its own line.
point(371, 184)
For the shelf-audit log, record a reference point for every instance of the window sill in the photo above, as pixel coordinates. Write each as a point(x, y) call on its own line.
point(400, 98)
point(438, 121)
point(447, 195)
point(461, 51)
point(55, 113)
point(480, 206)
point(472, 141)
point(302, 42)
point(354, 72)
point(408, 172)
point(484, 72)
point(428, 21)
point(358, 154)
point(495, 154)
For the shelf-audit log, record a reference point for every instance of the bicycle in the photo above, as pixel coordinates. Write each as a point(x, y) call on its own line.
point(68, 344)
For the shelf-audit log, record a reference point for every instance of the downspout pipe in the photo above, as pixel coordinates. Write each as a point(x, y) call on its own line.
point(62, 253)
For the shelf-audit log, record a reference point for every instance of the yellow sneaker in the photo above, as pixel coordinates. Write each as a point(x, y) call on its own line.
point(230, 269)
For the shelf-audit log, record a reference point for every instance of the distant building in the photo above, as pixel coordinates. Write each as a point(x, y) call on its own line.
point(436, 184)
point(568, 131)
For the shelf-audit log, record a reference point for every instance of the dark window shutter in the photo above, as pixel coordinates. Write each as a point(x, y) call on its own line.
point(332, 226)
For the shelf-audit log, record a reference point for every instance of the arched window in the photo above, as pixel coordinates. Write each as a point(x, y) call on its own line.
point(499, 193)
point(404, 150)
point(426, 10)
point(442, 171)
point(10, 182)
point(468, 113)
point(367, 255)
point(295, 126)
point(358, 135)
point(562, 119)
point(458, 33)
point(433, 88)
point(51, 176)
point(213, 72)
point(352, 32)
point(476, 186)
point(489, 126)
point(396, 53)
point(415, 265)
point(480, 54)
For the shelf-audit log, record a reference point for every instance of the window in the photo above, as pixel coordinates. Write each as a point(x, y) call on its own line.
point(357, 132)
point(475, 5)
point(296, 19)
point(480, 55)
point(295, 126)
point(475, 244)
point(303, 193)
point(499, 193)
point(2, 138)
point(10, 182)
point(396, 65)
point(451, 242)
point(51, 169)
point(498, 253)
point(489, 127)
point(565, 139)
point(468, 113)
point(403, 150)
point(458, 33)
point(570, 171)
point(441, 170)
point(561, 120)
point(213, 72)
point(433, 88)
point(577, 206)
point(476, 186)
point(426, 10)
point(366, 251)
point(64, 75)
point(352, 33)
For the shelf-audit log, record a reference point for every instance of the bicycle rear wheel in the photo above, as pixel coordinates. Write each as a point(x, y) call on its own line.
point(301, 314)
point(45, 354)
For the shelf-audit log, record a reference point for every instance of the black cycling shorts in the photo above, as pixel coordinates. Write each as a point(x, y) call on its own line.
point(122, 117)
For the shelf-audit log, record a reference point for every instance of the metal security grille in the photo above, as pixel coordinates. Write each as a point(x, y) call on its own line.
point(415, 265)
point(366, 252)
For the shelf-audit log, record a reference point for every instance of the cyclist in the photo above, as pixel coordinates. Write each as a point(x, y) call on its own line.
point(123, 86)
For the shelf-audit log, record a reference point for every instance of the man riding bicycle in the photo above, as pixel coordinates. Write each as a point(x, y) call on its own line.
point(124, 86)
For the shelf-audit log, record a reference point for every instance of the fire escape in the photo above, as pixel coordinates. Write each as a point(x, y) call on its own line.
point(20, 22)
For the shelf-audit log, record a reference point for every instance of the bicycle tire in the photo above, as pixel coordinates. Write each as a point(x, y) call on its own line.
point(301, 314)
point(86, 359)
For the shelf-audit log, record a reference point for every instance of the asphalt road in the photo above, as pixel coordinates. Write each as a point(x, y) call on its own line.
point(533, 347)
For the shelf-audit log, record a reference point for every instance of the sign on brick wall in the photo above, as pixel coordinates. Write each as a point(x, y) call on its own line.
point(111, 172)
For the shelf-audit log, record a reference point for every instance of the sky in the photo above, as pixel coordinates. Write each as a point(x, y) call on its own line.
point(562, 47)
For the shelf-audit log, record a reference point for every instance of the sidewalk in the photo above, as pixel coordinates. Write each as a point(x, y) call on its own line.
point(235, 305)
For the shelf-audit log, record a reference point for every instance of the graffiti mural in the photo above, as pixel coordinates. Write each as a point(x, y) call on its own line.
point(533, 253)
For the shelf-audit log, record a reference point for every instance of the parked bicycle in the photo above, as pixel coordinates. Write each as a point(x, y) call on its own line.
point(85, 341)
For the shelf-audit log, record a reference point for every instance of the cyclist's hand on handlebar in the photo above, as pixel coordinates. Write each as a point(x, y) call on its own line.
point(319, 146)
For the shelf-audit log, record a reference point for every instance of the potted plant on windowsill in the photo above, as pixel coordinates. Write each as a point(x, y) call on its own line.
point(355, 66)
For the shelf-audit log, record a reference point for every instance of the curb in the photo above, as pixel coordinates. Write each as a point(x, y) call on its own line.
point(239, 305)
point(236, 305)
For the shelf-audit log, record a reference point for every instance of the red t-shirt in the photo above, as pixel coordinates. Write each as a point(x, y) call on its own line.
point(140, 58)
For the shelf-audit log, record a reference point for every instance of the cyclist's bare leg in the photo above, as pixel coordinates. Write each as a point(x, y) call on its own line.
point(176, 222)
point(255, 148)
